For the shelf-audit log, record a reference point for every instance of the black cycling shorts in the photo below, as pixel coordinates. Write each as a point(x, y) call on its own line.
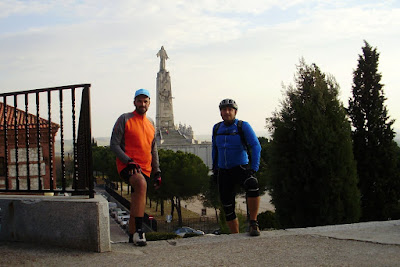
point(229, 179)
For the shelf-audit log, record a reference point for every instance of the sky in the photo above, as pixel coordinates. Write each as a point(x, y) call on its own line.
point(244, 50)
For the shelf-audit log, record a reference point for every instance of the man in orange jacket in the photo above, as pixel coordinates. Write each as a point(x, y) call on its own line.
point(134, 144)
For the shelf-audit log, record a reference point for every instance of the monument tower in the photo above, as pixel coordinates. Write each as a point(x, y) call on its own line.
point(171, 136)
point(164, 109)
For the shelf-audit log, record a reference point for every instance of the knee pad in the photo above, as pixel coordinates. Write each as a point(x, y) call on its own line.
point(251, 186)
point(229, 210)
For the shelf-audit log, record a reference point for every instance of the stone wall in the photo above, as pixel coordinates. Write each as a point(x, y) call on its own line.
point(202, 150)
point(72, 222)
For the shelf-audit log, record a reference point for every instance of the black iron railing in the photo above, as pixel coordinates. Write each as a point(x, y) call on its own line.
point(41, 148)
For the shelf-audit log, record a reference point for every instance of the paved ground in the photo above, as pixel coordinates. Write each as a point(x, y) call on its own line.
point(363, 244)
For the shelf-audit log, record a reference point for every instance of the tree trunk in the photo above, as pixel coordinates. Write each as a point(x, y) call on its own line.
point(172, 207)
point(216, 215)
point(179, 211)
point(162, 207)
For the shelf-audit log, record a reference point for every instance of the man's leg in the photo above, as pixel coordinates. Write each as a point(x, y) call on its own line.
point(253, 203)
point(138, 205)
point(250, 184)
point(138, 197)
point(233, 226)
point(132, 227)
point(227, 195)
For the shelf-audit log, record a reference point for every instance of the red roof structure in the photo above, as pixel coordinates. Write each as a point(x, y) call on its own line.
point(21, 119)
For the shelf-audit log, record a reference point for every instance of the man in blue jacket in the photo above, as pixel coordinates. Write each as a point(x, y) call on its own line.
point(232, 140)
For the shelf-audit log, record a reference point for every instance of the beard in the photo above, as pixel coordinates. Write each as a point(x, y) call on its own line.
point(141, 110)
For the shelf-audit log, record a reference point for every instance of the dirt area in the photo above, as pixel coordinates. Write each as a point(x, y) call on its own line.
point(196, 205)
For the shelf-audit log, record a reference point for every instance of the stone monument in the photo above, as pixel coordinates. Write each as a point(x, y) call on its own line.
point(171, 136)
point(164, 109)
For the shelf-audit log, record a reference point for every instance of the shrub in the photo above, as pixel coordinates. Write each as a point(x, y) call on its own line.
point(267, 220)
point(154, 236)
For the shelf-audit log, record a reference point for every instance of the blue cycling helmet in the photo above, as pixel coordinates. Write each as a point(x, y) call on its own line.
point(228, 103)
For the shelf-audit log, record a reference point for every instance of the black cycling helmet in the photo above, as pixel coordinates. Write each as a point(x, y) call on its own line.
point(228, 103)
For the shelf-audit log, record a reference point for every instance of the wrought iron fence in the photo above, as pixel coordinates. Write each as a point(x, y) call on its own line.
point(33, 159)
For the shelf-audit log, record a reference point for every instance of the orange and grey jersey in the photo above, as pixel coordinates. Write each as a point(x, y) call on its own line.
point(133, 137)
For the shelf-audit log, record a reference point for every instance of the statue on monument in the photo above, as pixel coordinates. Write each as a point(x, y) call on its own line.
point(163, 56)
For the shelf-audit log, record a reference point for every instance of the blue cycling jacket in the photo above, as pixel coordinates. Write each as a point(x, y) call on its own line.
point(231, 152)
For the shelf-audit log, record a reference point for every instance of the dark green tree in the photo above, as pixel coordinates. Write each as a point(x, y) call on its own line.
point(313, 179)
point(68, 168)
point(262, 174)
point(184, 175)
point(210, 197)
point(104, 162)
point(373, 141)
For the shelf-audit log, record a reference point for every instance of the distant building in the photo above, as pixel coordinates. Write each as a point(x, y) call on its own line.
point(170, 136)
point(22, 128)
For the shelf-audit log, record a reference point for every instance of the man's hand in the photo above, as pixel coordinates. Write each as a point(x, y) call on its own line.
point(157, 180)
point(133, 167)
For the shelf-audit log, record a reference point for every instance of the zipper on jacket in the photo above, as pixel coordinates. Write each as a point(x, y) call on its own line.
point(226, 162)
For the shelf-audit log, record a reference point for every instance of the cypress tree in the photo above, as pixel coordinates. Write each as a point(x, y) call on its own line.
point(313, 179)
point(373, 138)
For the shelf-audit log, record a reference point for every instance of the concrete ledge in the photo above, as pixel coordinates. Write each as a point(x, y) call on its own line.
point(72, 222)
